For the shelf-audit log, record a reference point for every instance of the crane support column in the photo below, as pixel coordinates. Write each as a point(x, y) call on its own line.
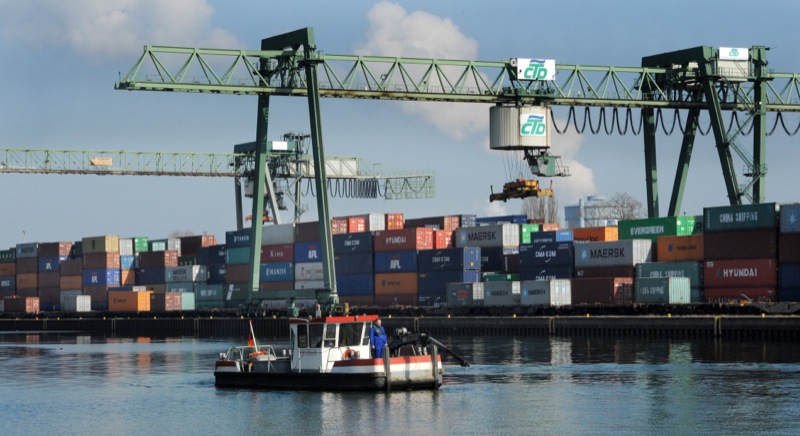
point(650, 166)
point(721, 136)
point(683, 162)
point(259, 180)
point(759, 56)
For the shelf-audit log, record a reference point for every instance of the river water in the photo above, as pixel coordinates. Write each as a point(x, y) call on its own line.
point(71, 383)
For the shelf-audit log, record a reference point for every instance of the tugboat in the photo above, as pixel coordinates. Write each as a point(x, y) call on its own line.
point(333, 353)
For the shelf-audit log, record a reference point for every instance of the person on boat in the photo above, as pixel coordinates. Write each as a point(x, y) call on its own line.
point(377, 338)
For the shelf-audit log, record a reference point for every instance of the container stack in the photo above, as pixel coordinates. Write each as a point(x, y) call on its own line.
point(27, 266)
point(605, 270)
point(652, 228)
point(596, 234)
point(51, 257)
point(237, 267)
point(308, 273)
point(438, 268)
point(789, 253)
point(499, 244)
point(355, 274)
point(8, 272)
point(395, 264)
point(741, 253)
point(101, 268)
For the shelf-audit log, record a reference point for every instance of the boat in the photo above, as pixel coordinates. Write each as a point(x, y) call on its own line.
point(333, 353)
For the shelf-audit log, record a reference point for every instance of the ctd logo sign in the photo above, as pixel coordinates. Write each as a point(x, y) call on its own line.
point(734, 54)
point(536, 69)
point(532, 125)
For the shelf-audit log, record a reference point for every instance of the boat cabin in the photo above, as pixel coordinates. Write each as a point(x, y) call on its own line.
point(318, 343)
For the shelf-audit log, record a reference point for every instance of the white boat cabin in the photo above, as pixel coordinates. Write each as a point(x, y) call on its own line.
point(318, 343)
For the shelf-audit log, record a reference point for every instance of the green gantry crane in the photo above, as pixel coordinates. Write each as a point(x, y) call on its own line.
point(694, 80)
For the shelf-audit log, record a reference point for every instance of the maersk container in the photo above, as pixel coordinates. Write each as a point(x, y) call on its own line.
point(151, 276)
point(308, 271)
point(50, 263)
point(790, 218)
point(613, 253)
point(101, 277)
point(126, 247)
point(395, 261)
point(499, 235)
point(789, 275)
point(308, 252)
point(652, 228)
point(217, 273)
point(277, 271)
point(277, 234)
point(556, 292)
point(352, 243)
point(546, 254)
point(744, 217)
point(212, 254)
point(662, 290)
point(237, 255)
point(735, 295)
point(353, 264)
point(207, 292)
point(239, 238)
point(100, 244)
point(546, 273)
point(358, 284)
point(419, 238)
point(501, 293)
point(452, 259)
point(691, 270)
point(552, 236)
point(493, 259)
point(30, 249)
point(741, 244)
point(465, 294)
point(605, 271)
point(789, 248)
point(77, 303)
point(740, 273)
point(605, 290)
point(435, 282)
point(189, 273)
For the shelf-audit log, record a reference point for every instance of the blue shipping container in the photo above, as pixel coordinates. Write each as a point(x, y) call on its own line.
point(237, 238)
point(353, 264)
point(216, 273)
point(151, 276)
point(546, 273)
point(8, 283)
point(451, 259)
point(362, 284)
point(789, 295)
point(494, 260)
point(277, 272)
point(101, 277)
point(209, 255)
point(308, 252)
point(554, 236)
point(396, 261)
point(489, 220)
point(434, 298)
point(50, 263)
point(126, 262)
point(435, 282)
point(347, 243)
point(468, 220)
point(789, 275)
point(547, 254)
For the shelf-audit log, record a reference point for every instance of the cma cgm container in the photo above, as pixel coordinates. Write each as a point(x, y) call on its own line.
point(352, 243)
point(452, 259)
point(740, 273)
point(677, 248)
point(614, 253)
point(652, 228)
point(547, 254)
point(546, 272)
point(666, 290)
point(420, 238)
point(744, 217)
point(546, 292)
point(501, 293)
point(741, 244)
point(499, 235)
point(605, 290)
point(465, 294)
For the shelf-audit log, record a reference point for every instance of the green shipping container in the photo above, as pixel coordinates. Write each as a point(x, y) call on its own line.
point(498, 277)
point(652, 228)
point(235, 294)
point(205, 293)
point(237, 256)
point(690, 269)
point(206, 305)
point(8, 256)
point(745, 217)
point(525, 231)
point(180, 287)
point(671, 290)
point(140, 244)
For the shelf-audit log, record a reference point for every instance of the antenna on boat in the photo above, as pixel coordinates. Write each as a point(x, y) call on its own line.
point(252, 336)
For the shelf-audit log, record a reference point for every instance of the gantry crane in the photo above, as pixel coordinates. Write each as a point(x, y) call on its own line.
point(694, 80)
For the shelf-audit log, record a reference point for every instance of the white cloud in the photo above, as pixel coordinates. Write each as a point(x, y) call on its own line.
point(580, 183)
point(111, 29)
point(397, 33)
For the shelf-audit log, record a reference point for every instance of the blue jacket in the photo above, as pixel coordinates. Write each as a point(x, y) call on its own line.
point(377, 336)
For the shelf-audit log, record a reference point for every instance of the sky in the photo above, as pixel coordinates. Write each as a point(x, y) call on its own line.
point(59, 62)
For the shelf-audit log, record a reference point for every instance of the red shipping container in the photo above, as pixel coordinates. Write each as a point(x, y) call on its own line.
point(738, 273)
point(191, 244)
point(549, 227)
point(788, 248)
point(605, 271)
point(27, 292)
point(70, 283)
point(443, 239)
point(101, 261)
point(419, 238)
point(158, 259)
point(8, 269)
point(338, 226)
point(53, 249)
point(21, 305)
point(275, 286)
point(49, 296)
point(734, 295)
point(237, 273)
point(71, 267)
point(307, 232)
point(356, 224)
point(27, 265)
point(608, 290)
point(166, 302)
point(394, 221)
point(358, 300)
point(49, 280)
point(277, 253)
point(27, 281)
point(741, 244)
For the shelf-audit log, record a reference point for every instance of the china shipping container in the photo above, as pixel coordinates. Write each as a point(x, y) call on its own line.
point(465, 294)
point(544, 254)
point(453, 259)
point(741, 244)
point(662, 290)
point(100, 244)
point(501, 293)
point(602, 290)
point(498, 235)
point(742, 217)
point(128, 301)
point(652, 228)
point(419, 238)
point(692, 270)
point(740, 273)
point(396, 289)
point(21, 305)
point(556, 292)
point(596, 234)
point(208, 292)
point(613, 253)
point(678, 248)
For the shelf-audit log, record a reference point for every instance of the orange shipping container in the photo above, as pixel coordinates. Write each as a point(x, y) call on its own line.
point(673, 248)
point(443, 239)
point(27, 281)
point(70, 283)
point(549, 227)
point(129, 301)
point(127, 277)
point(8, 269)
point(388, 284)
point(101, 260)
point(356, 224)
point(596, 234)
point(338, 226)
point(394, 221)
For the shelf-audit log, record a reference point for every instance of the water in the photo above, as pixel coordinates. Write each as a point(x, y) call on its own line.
point(75, 384)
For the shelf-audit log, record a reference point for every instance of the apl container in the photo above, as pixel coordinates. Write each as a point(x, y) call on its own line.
point(547, 254)
point(395, 261)
point(52, 263)
point(352, 243)
point(546, 292)
point(546, 273)
point(652, 228)
point(101, 277)
point(465, 294)
point(678, 248)
point(740, 273)
point(453, 259)
point(605, 290)
point(744, 217)
point(741, 244)
point(667, 290)
point(501, 293)
point(419, 238)
point(308, 252)
point(613, 253)
point(691, 270)
point(596, 234)
point(499, 235)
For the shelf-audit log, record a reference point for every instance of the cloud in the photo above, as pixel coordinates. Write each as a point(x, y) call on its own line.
point(111, 29)
point(397, 33)
point(580, 183)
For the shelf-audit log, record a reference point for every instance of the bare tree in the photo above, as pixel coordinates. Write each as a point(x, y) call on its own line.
point(624, 207)
point(541, 209)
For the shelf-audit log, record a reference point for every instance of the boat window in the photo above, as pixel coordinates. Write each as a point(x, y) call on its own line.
point(302, 336)
point(346, 335)
point(330, 335)
point(315, 335)
point(364, 334)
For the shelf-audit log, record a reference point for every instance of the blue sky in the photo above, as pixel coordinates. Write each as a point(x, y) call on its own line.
point(60, 61)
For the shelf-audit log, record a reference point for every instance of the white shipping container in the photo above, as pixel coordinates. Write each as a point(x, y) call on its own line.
point(187, 273)
point(613, 253)
point(556, 292)
point(375, 221)
point(67, 293)
point(77, 303)
point(309, 284)
point(465, 294)
point(308, 271)
point(501, 293)
point(500, 235)
point(126, 247)
point(277, 234)
point(187, 301)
